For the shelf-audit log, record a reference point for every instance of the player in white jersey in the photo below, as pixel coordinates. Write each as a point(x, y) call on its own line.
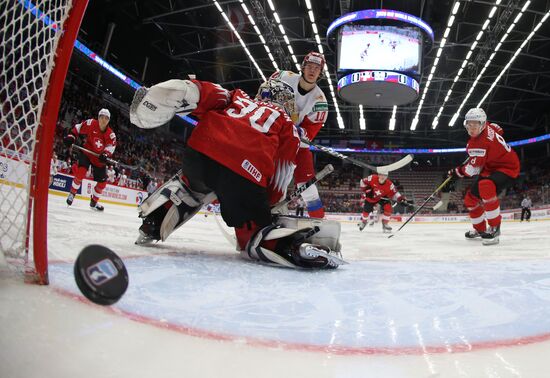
point(311, 114)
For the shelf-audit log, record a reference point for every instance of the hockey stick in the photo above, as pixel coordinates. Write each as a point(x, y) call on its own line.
point(378, 169)
point(109, 160)
point(438, 205)
point(328, 169)
point(447, 180)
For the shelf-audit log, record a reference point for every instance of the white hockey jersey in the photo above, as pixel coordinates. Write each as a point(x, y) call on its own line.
point(312, 108)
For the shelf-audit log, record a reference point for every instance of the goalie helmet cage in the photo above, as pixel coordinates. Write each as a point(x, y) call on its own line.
point(36, 44)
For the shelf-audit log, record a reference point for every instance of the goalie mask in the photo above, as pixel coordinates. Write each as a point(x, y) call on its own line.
point(279, 93)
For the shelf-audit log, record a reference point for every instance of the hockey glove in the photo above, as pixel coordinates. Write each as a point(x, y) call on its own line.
point(103, 157)
point(155, 106)
point(455, 173)
point(404, 201)
point(69, 140)
point(369, 193)
point(303, 137)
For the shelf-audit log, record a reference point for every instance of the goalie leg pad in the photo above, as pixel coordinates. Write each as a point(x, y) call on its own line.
point(328, 234)
point(179, 214)
point(174, 190)
point(294, 243)
point(169, 207)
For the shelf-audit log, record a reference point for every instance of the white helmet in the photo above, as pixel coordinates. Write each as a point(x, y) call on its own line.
point(475, 114)
point(279, 93)
point(105, 112)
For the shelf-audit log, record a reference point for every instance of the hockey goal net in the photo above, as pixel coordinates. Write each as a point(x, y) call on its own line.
point(36, 43)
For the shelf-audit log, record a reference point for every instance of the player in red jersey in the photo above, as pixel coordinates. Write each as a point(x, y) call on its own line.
point(101, 139)
point(377, 188)
point(495, 166)
point(242, 151)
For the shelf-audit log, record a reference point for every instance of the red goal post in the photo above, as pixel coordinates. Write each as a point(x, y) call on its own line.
point(36, 44)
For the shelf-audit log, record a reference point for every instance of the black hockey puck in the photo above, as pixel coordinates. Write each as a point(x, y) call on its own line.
point(100, 275)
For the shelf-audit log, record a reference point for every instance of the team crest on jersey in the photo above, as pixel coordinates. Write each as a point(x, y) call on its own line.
point(477, 152)
point(252, 170)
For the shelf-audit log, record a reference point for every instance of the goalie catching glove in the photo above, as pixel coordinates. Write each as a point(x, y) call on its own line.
point(155, 106)
point(297, 243)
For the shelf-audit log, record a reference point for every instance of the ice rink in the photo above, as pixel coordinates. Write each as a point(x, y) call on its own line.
point(425, 303)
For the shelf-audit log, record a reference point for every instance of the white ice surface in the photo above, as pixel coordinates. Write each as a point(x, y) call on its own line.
point(425, 303)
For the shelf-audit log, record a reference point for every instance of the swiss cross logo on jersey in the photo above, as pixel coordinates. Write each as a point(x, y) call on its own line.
point(377, 192)
point(98, 144)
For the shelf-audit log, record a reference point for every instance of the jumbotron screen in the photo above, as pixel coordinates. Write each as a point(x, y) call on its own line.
point(387, 48)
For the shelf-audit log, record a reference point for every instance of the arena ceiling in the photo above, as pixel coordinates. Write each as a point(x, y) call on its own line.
point(181, 37)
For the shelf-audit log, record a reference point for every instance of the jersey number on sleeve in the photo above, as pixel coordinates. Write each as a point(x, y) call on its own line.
point(262, 117)
point(320, 116)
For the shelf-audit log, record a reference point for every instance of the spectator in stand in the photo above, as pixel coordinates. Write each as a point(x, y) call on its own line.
point(111, 175)
point(152, 186)
point(122, 178)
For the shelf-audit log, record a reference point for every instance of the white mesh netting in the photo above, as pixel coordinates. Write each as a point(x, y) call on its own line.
point(29, 35)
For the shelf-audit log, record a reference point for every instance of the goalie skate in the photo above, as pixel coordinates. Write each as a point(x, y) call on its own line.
point(311, 251)
point(144, 239)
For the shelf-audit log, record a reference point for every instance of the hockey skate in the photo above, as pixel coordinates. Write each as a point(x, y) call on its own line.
point(95, 206)
point(491, 236)
point(386, 229)
point(70, 199)
point(472, 234)
point(149, 231)
point(362, 225)
point(144, 238)
point(371, 223)
point(311, 252)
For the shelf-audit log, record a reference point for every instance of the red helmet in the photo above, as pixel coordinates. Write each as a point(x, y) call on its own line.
point(316, 58)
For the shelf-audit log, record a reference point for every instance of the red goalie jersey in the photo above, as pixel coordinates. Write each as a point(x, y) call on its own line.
point(256, 140)
point(489, 153)
point(96, 140)
point(374, 191)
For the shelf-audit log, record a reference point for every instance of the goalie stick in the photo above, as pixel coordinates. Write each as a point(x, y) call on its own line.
point(378, 169)
point(328, 169)
point(109, 160)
